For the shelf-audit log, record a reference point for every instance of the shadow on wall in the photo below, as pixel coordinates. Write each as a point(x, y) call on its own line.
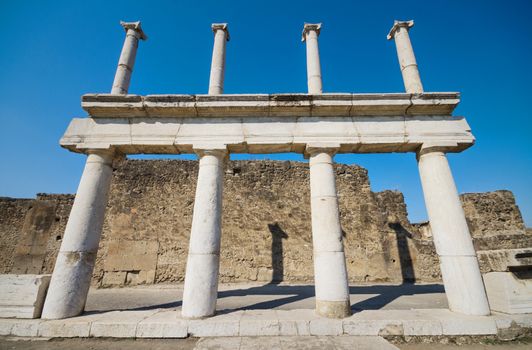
point(405, 258)
point(278, 235)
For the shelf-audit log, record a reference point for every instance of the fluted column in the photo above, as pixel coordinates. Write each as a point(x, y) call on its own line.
point(75, 262)
point(330, 272)
point(405, 53)
point(310, 36)
point(221, 36)
point(201, 279)
point(127, 57)
point(460, 270)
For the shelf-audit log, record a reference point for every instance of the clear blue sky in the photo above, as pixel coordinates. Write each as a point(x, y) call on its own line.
point(54, 51)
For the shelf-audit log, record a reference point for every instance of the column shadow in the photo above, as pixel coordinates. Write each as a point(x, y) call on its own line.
point(278, 234)
point(405, 258)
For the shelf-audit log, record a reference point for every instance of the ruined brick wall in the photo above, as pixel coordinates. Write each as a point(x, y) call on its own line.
point(266, 226)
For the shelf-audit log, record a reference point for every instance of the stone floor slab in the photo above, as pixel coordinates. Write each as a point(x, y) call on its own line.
point(163, 324)
point(119, 324)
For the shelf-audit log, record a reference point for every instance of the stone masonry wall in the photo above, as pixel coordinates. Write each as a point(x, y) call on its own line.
point(266, 226)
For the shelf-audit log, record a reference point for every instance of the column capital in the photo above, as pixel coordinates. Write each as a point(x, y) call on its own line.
point(331, 148)
point(442, 147)
point(221, 26)
point(399, 24)
point(136, 27)
point(308, 27)
point(217, 151)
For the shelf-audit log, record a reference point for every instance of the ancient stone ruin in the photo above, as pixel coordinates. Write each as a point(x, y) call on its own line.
point(142, 222)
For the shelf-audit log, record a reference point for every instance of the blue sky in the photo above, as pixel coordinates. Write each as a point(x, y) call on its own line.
point(53, 52)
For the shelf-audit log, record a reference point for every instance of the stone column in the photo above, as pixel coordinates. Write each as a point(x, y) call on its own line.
point(330, 272)
point(201, 279)
point(405, 53)
point(221, 36)
point(75, 262)
point(310, 35)
point(460, 271)
point(72, 274)
point(127, 57)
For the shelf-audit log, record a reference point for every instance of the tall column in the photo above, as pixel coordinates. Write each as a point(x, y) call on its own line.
point(460, 270)
point(72, 274)
point(221, 36)
point(201, 279)
point(75, 262)
point(310, 35)
point(330, 272)
point(127, 57)
point(405, 53)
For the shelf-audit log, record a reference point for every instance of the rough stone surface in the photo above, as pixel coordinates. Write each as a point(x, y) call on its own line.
point(266, 230)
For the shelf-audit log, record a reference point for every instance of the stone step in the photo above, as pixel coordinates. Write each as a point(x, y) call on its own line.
point(286, 343)
point(161, 323)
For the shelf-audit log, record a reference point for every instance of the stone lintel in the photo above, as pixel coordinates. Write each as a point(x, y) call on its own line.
point(397, 25)
point(307, 27)
point(253, 105)
point(136, 27)
point(221, 26)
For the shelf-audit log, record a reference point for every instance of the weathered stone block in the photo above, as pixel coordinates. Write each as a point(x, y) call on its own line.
point(22, 296)
point(507, 293)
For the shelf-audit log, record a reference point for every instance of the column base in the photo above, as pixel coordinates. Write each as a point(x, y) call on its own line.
point(333, 309)
point(463, 284)
point(69, 285)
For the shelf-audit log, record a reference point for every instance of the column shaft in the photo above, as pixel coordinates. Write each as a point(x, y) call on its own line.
point(405, 53)
point(75, 262)
point(463, 283)
point(201, 279)
point(407, 61)
point(330, 273)
point(126, 63)
point(216, 82)
point(314, 80)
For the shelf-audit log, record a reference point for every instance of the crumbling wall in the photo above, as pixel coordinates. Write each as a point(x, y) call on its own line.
point(266, 226)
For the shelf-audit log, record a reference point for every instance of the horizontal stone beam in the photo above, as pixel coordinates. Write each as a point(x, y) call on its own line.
point(358, 134)
point(275, 105)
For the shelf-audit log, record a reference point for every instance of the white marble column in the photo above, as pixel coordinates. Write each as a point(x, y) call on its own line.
point(127, 57)
point(405, 53)
point(72, 273)
point(221, 36)
point(310, 35)
point(75, 262)
point(201, 278)
point(330, 272)
point(463, 283)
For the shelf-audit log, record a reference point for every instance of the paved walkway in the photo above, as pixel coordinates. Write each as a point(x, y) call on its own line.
point(277, 311)
point(254, 296)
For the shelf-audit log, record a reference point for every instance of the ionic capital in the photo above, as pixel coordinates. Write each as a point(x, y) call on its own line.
point(397, 25)
point(308, 27)
point(135, 26)
point(221, 26)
